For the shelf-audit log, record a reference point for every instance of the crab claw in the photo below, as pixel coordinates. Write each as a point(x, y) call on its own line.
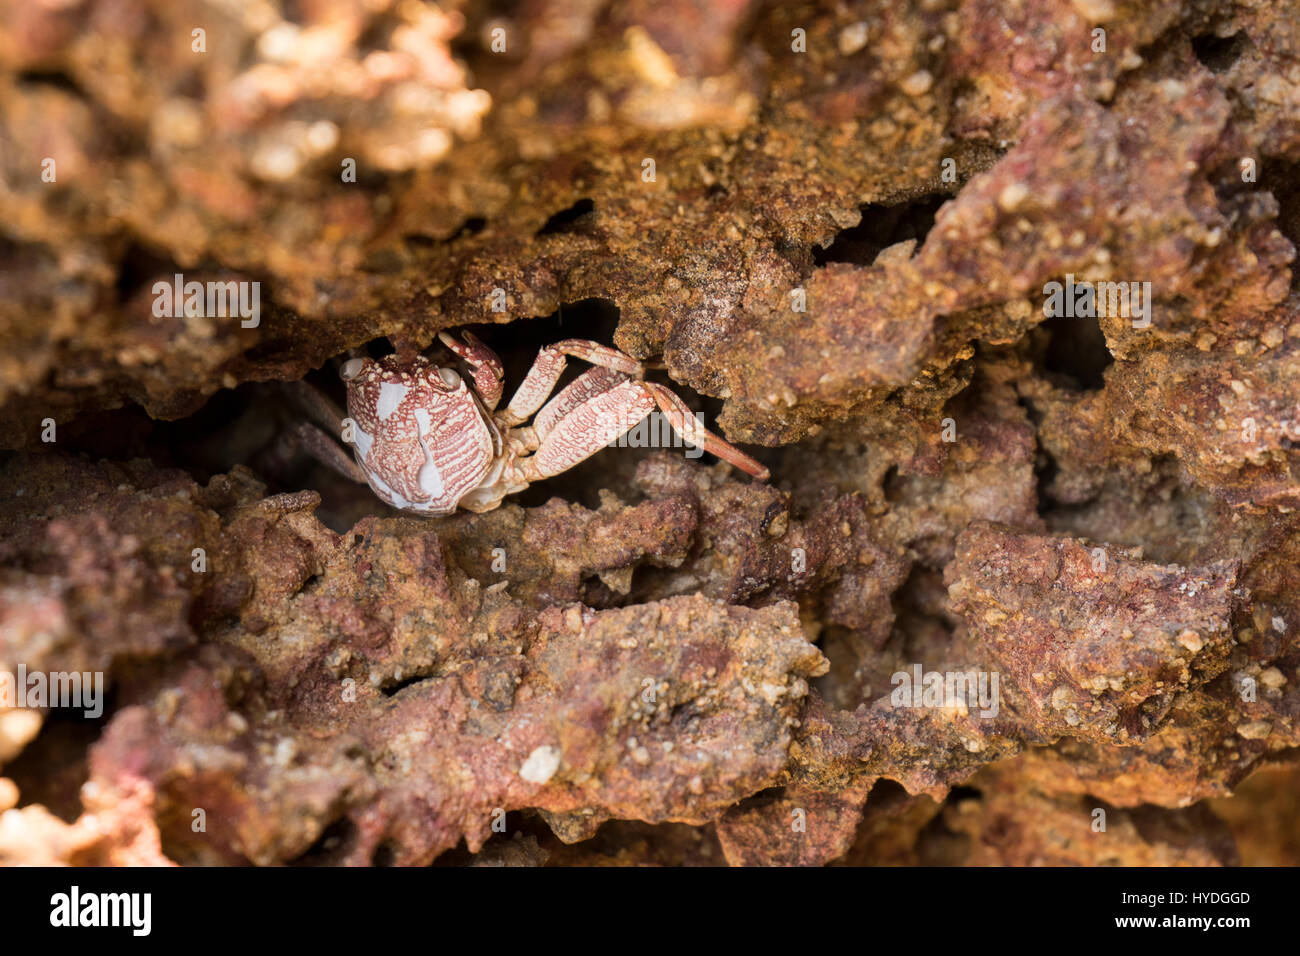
point(483, 362)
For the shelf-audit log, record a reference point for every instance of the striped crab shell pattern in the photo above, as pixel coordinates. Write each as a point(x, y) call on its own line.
point(419, 433)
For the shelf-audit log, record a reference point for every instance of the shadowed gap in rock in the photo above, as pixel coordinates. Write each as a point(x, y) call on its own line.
point(881, 227)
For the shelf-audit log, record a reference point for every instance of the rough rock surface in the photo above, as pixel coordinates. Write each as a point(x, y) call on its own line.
point(836, 226)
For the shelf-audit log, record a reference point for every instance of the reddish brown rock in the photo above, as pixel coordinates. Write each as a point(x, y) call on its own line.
point(838, 226)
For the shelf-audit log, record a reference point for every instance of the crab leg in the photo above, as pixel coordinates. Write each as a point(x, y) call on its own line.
point(549, 366)
point(587, 429)
point(586, 386)
point(483, 362)
point(681, 417)
point(581, 430)
point(313, 440)
point(312, 403)
point(307, 438)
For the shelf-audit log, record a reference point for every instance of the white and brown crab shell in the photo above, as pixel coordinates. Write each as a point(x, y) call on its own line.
point(419, 432)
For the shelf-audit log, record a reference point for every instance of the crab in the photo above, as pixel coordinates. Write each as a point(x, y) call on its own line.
point(428, 439)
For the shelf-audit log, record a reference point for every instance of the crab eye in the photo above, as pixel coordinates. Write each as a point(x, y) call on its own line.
point(449, 378)
point(351, 369)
